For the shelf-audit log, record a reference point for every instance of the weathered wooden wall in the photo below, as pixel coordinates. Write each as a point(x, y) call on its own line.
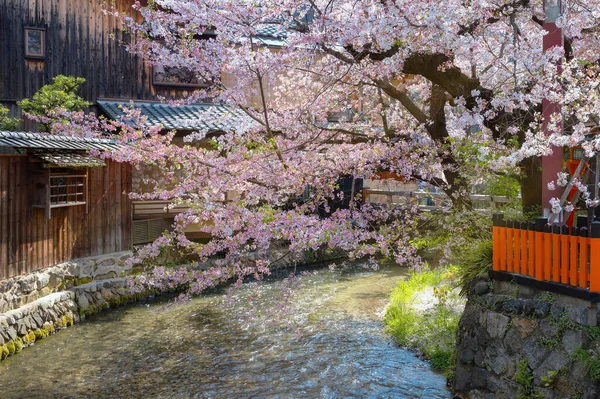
point(80, 41)
point(29, 241)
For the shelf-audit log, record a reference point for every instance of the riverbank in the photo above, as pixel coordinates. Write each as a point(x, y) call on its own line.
point(423, 315)
point(212, 347)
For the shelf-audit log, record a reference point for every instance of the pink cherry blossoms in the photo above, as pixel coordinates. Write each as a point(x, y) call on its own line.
point(444, 92)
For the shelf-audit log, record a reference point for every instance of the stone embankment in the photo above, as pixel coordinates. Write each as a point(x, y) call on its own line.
point(36, 305)
point(21, 290)
point(516, 341)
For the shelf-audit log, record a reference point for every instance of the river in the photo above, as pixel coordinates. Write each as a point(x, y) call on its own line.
point(327, 342)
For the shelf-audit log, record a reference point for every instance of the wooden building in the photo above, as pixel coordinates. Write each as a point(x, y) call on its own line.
point(57, 203)
point(40, 39)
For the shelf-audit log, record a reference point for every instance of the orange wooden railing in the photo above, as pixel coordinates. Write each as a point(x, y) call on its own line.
point(569, 256)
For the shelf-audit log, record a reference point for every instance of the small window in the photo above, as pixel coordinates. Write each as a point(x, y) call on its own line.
point(56, 188)
point(175, 77)
point(35, 43)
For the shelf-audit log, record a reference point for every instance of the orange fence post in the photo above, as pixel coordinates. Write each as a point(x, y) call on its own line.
point(556, 253)
point(564, 255)
point(539, 247)
point(595, 257)
point(574, 255)
point(517, 247)
point(584, 242)
point(531, 250)
point(502, 248)
point(497, 220)
point(547, 252)
point(524, 252)
point(510, 233)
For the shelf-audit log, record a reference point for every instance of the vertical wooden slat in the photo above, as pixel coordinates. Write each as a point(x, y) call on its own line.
point(12, 233)
point(530, 251)
point(509, 247)
point(524, 250)
point(502, 241)
point(539, 255)
point(517, 248)
point(564, 256)
point(595, 257)
point(556, 258)
point(547, 255)
point(583, 259)
point(4, 168)
point(574, 255)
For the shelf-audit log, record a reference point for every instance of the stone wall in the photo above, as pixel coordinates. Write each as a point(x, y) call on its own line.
point(21, 327)
point(39, 304)
point(518, 342)
point(20, 290)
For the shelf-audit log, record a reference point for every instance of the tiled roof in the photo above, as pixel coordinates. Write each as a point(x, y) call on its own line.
point(272, 35)
point(54, 142)
point(67, 159)
point(272, 30)
point(210, 117)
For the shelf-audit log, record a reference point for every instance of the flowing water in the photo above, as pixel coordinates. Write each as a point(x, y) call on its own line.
point(327, 342)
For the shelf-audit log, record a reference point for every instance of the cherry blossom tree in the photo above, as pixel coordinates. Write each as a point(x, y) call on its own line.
point(447, 92)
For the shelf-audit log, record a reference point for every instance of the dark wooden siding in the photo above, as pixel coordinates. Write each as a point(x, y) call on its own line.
point(29, 241)
point(80, 41)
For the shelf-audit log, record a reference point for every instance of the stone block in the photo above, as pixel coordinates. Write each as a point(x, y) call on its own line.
point(496, 359)
point(11, 332)
point(481, 287)
point(554, 362)
point(466, 356)
point(525, 326)
point(573, 340)
point(27, 283)
point(3, 306)
point(496, 324)
point(38, 320)
point(462, 378)
point(548, 328)
point(83, 302)
point(513, 341)
point(535, 354)
point(529, 307)
point(557, 309)
point(578, 315)
point(42, 280)
point(513, 306)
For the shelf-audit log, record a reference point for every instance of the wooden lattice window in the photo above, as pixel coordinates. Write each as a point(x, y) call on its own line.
point(54, 188)
point(67, 189)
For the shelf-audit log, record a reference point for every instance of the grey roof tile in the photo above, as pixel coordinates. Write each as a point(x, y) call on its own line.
point(54, 142)
point(211, 117)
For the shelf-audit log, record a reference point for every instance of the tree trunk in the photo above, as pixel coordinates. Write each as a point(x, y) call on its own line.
point(531, 186)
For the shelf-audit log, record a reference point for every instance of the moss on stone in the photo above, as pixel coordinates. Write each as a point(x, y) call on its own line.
point(41, 333)
point(10, 345)
point(82, 280)
point(18, 344)
point(29, 338)
point(49, 328)
point(68, 318)
point(4, 352)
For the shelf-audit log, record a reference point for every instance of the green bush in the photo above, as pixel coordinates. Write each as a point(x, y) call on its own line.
point(61, 93)
point(6, 122)
point(473, 264)
point(429, 330)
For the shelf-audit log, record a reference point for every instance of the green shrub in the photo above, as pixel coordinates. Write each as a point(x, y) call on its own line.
point(473, 264)
point(429, 330)
point(6, 122)
point(61, 93)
